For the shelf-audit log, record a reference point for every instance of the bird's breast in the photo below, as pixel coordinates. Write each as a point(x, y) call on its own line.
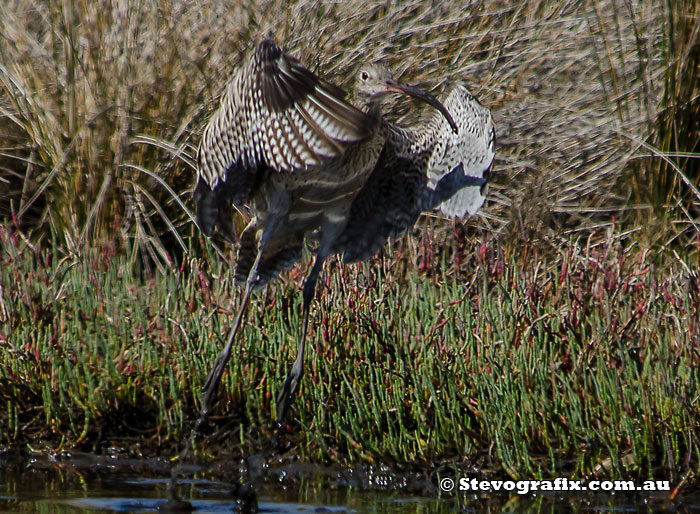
point(325, 191)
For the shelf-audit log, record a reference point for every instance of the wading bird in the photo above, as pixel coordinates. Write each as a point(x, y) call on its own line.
point(286, 145)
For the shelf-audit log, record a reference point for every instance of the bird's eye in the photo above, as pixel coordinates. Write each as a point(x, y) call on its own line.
point(364, 75)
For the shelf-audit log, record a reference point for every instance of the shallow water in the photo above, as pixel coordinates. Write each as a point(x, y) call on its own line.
point(82, 483)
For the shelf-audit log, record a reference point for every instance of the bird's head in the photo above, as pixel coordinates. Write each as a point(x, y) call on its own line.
point(374, 82)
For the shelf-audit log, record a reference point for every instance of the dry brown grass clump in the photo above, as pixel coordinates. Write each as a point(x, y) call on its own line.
point(102, 104)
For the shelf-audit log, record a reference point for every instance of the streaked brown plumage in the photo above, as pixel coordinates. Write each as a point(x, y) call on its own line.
point(287, 145)
point(420, 168)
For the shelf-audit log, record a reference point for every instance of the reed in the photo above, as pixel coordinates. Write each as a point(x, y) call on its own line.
point(103, 102)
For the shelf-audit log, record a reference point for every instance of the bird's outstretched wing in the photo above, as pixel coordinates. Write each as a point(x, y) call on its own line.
point(421, 168)
point(275, 117)
point(473, 147)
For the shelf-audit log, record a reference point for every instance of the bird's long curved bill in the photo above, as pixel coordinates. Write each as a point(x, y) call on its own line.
point(426, 97)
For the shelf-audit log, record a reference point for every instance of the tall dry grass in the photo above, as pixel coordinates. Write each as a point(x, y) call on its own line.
point(674, 181)
point(102, 104)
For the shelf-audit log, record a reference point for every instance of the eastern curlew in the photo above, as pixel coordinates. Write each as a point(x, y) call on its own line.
point(287, 145)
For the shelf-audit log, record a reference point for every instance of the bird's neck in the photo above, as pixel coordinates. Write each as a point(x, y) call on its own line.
point(372, 106)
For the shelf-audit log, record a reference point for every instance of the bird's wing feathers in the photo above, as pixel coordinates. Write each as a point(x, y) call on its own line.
point(278, 114)
point(472, 147)
point(304, 119)
point(275, 116)
point(420, 169)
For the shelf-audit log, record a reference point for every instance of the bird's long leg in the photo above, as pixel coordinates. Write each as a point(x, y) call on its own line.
point(214, 378)
point(291, 384)
point(256, 462)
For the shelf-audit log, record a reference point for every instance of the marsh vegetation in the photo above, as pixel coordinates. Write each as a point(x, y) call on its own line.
point(555, 333)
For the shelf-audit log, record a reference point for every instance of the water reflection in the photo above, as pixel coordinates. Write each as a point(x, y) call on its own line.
point(83, 483)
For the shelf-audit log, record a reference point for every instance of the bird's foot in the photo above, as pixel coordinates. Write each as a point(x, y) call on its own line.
point(174, 505)
point(246, 499)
